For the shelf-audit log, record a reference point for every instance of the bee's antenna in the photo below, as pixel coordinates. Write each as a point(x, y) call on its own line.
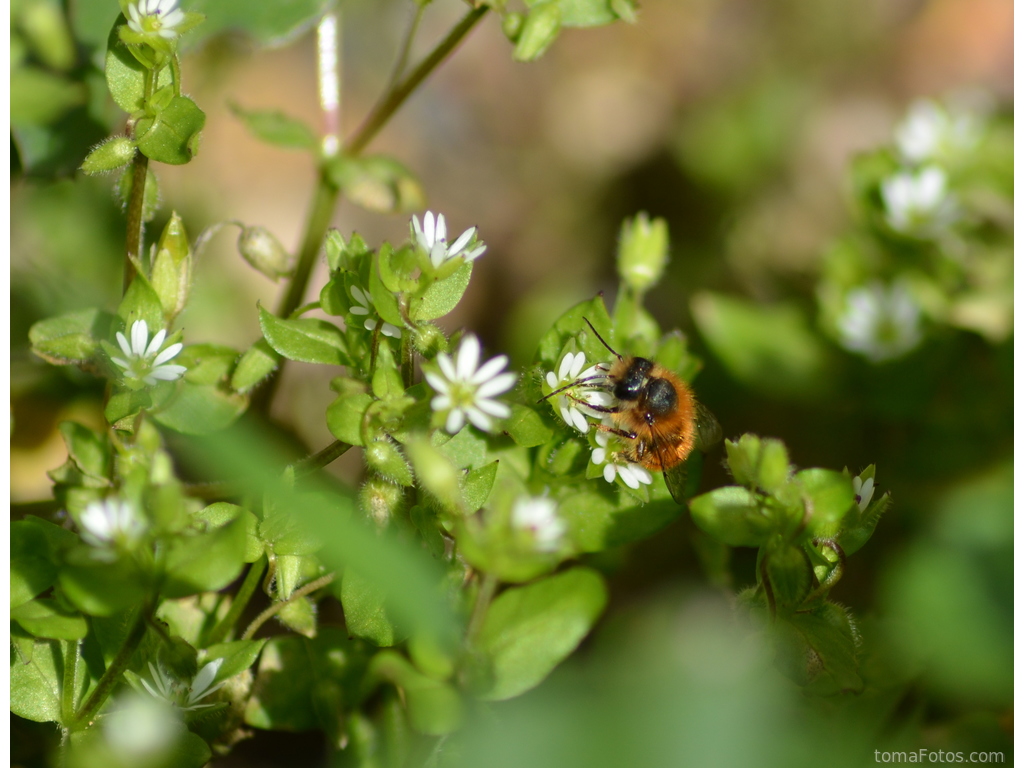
point(601, 340)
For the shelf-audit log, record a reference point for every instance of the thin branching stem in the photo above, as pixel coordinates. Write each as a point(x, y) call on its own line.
point(273, 610)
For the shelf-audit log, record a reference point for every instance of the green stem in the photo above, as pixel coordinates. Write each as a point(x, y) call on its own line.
point(403, 54)
point(483, 600)
point(240, 603)
point(135, 224)
point(408, 360)
point(320, 459)
point(70, 682)
point(397, 95)
point(268, 614)
point(117, 667)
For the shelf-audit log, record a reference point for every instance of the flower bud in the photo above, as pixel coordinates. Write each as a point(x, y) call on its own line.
point(171, 272)
point(542, 25)
point(512, 25)
point(109, 156)
point(264, 252)
point(384, 457)
point(643, 252)
point(380, 499)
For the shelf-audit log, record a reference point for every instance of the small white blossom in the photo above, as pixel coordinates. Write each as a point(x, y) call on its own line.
point(863, 490)
point(632, 474)
point(538, 515)
point(917, 203)
point(880, 323)
point(141, 726)
point(929, 132)
point(177, 694)
point(143, 358)
point(364, 306)
point(465, 389)
point(433, 238)
point(572, 403)
point(160, 17)
point(111, 522)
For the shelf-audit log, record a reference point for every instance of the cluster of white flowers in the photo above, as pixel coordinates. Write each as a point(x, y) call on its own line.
point(364, 308)
point(917, 202)
point(880, 323)
point(538, 515)
point(143, 359)
point(466, 390)
point(112, 523)
point(176, 693)
point(155, 17)
point(572, 402)
point(432, 237)
point(632, 475)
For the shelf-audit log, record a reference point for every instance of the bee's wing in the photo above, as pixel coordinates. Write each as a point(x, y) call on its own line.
point(709, 431)
point(682, 479)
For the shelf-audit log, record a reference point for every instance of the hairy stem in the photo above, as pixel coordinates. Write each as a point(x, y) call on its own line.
point(273, 610)
point(239, 604)
point(135, 225)
point(117, 667)
point(70, 682)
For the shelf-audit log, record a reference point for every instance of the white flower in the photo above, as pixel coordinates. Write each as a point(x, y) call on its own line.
point(537, 515)
point(880, 323)
point(632, 474)
point(142, 361)
point(929, 132)
point(466, 391)
point(159, 17)
point(917, 203)
point(364, 306)
point(177, 694)
point(110, 522)
point(141, 726)
point(572, 403)
point(863, 490)
point(433, 238)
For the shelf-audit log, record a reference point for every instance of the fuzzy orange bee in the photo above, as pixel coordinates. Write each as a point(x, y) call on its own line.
point(655, 413)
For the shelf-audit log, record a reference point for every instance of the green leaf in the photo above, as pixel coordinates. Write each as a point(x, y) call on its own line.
point(436, 475)
point(141, 302)
point(345, 416)
point(434, 707)
point(377, 183)
point(205, 561)
point(789, 572)
point(818, 649)
point(828, 496)
point(36, 682)
point(365, 613)
point(299, 616)
point(477, 484)
point(530, 630)
point(256, 363)
point(38, 97)
point(207, 364)
point(199, 409)
point(384, 300)
point(101, 589)
point(275, 127)
point(126, 77)
point(769, 348)
point(305, 340)
point(172, 137)
point(32, 570)
point(124, 405)
point(269, 23)
point(71, 338)
point(569, 325)
point(466, 449)
point(298, 676)
point(731, 515)
point(238, 656)
point(526, 427)
point(599, 521)
point(442, 296)
point(758, 463)
point(584, 13)
point(45, 618)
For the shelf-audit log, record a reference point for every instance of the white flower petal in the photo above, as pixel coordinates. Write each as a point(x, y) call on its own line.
point(580, 421)
point(168, 372)
point(494, 408)
point(204, 677)
point(475, 253)
point(438, 383)
point(390, 330)
point(468, 358)
point(140, 334)
point(609, 473)
point(118, 361)
point(440, 230)
point(497, 385)
point(169, 353)
point(488, 370)
point(447, 367)
point(461, 242)
point(454, 422)
point(123, 343)
point(478, 419)
point(629, 478)
point(428, 228)
point(551, 379)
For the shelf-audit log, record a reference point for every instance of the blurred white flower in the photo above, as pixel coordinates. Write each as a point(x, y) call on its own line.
point(632, 475)
point(880, 323)
point(177, 694)
point(466, 390)
point(143, 359)
point(111, 522)
point(141, 726)
point(572, 403)
point(538, 515)
point(364, 307)
point(917, 203)
point(433, 238)
point(930, 132)
point(159, 17)
point(863, 490)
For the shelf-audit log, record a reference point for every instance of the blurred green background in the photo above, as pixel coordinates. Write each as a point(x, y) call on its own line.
point(735, 120)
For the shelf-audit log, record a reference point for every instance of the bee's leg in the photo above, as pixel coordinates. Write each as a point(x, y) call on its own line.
point(615, 431)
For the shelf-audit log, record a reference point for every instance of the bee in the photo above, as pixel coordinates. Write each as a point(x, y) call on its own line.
point(655, 413)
